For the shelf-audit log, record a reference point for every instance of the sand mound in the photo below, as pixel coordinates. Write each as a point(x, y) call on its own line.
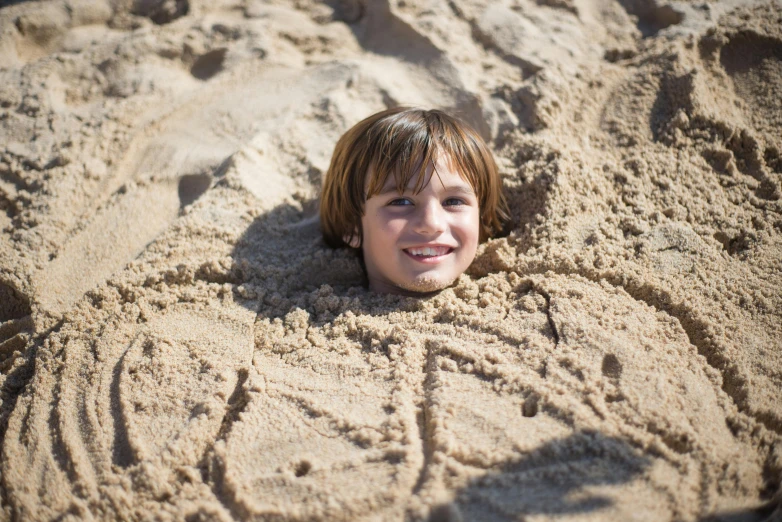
point(176, 341)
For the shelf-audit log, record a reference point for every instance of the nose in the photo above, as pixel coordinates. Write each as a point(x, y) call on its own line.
point(431, 218)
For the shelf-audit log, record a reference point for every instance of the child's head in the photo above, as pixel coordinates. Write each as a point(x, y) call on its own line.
point(416, 191)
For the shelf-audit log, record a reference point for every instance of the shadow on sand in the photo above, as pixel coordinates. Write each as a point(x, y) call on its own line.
point(282, 252)
point(566, 477)
point(558, 478)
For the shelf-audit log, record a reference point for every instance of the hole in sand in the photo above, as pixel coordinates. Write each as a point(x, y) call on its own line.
point(530, 407)
point(445, 513)
point(348, 11)
point(161, 11)
point(208, 64)
point(13, 305)
point(737, 244)
point(302, 468)
point(192, 186)
point(394, 458)
point(611, 366)
point(652, 18)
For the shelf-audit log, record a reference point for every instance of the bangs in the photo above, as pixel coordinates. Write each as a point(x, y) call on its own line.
point(408, 148)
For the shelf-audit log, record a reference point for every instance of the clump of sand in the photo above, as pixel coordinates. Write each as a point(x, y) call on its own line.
point(177, 342)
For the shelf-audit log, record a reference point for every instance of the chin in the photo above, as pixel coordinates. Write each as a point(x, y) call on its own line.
point(427, 283)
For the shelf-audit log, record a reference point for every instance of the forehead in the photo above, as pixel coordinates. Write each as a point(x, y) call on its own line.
point(444, 175)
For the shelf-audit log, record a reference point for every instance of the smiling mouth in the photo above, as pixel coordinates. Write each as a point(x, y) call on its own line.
point(428, 253)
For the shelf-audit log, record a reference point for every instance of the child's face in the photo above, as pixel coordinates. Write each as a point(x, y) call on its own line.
point(415, 243)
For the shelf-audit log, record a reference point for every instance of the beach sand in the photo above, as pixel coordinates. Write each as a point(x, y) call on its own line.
point(177, 343)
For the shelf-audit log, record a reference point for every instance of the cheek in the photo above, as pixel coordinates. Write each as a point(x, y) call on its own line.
point(469, 227)
point(380, 227)
point(379, 233)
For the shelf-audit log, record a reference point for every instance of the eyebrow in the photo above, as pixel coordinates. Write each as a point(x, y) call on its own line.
point(453, 189)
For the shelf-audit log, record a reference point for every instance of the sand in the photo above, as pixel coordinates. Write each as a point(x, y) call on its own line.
point(176, 341)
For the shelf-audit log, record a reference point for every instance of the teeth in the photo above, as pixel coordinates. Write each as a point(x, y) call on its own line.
point(428, 251)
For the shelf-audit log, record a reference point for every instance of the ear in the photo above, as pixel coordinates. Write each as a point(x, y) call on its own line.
point(352, 241)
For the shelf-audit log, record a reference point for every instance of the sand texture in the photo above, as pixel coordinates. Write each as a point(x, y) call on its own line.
point(177, 343)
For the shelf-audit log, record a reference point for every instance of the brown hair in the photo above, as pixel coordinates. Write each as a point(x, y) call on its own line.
point(404, 141)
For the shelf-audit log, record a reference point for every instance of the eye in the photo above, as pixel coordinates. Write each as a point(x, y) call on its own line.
point(452, 202)
point(400, 202)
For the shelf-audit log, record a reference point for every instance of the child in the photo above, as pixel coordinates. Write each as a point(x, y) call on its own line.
point(415, 191)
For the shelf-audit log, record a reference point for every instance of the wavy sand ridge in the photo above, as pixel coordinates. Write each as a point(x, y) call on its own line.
point(177, 342)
